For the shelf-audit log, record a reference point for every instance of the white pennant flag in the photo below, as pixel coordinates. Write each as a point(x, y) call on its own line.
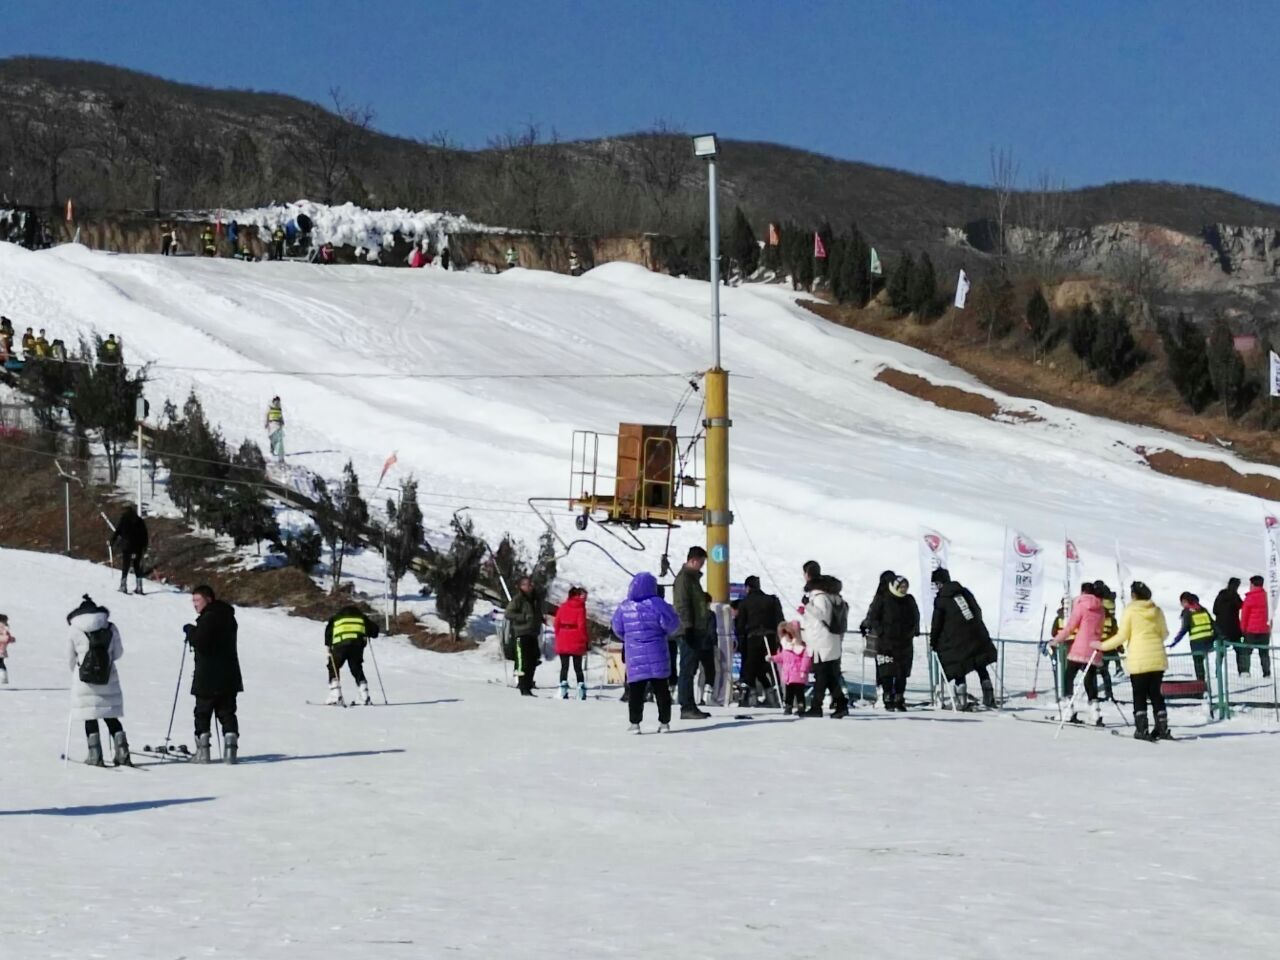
point(934, 550)
point(962, 290)
point(1022, 588)
point(1071, 582)
point(1275, 374)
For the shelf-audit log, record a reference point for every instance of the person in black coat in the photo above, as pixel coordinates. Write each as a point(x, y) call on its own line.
point(1226, 612)
point(960, 639)
point(216, 680)
point(894, 621)
point(131, 535)
point(756, 627)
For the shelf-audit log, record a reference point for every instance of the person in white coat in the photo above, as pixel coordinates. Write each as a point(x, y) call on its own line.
point(95, 683)
point(822, 628)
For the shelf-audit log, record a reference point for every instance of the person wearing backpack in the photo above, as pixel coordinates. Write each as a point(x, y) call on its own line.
point(95, 684)
point(961, 640)
point(822, 627)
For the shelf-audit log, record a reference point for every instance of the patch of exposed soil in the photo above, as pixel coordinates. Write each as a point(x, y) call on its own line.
point(1210, 472)
point(951, 398)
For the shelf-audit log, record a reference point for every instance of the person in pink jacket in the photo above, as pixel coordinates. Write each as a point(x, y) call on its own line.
point(796, 663)
point(6, 638)
point(1082, 630)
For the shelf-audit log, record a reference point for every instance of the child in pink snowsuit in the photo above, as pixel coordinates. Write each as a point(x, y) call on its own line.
point(6, 638)
point(795, 662)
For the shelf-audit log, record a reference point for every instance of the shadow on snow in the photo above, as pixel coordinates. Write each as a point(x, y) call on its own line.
point(97, 809)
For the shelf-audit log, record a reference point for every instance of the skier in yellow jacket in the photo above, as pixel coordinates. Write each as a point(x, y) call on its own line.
point(1142, 633)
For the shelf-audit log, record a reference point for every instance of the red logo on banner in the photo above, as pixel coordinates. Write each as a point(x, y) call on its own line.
point(1271, 522)
point(1024, 547)
point(1073, 555)
point(933, 542)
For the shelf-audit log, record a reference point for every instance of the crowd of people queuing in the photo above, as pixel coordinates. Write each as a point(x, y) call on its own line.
point(36, 345)
point(796, 664)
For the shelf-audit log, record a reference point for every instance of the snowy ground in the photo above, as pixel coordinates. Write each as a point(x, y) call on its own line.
point(827, 462)
point(463, 820)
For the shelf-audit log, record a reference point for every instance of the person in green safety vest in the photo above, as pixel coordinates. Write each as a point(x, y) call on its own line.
point(275, 429)
point(208, 242)
point(346, 634)
point(1197, 623)
point(511, 258)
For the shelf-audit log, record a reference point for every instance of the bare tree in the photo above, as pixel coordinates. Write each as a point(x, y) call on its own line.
point(1042, 212)
point(1004, 179)
point(661, 161)
point(533, 174)
point(1141, 269)
point(327, 143)
point(57, 132)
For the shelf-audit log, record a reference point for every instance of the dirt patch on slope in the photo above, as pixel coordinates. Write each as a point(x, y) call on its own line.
point(1210, 472)
point(951, 398)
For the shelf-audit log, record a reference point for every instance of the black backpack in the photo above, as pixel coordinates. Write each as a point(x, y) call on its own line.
point(95, 668)
point(839, 622)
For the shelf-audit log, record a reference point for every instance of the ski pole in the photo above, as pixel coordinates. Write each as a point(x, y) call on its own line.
point(66, 751)
point(1071, 705)
point(373, 656)
point(1035, 677)
point(176, 688)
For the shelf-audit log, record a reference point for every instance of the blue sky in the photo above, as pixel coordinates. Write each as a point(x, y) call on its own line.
point(1084, 90)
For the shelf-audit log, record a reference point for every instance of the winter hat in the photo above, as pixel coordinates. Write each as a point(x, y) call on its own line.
point(899, 587)
point(941, 575)
point(86, 606)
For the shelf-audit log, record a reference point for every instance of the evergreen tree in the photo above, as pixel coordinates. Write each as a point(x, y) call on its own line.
point(403, 536)
point(922, 288)
point(196, 457)
point(857, 268)
point(302, 548)
point(1081, 326)
point(1039, 321)
point(1188, 361)
point(105, 399)
point(899, 284)
point(453, 575)
point(544, 570)
point(1114, 353)
point(244, 514)
point(993, 304)
point(742, 245)
point(1226, 370)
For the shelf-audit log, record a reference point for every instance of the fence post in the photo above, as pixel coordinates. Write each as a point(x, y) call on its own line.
point(1224, 701)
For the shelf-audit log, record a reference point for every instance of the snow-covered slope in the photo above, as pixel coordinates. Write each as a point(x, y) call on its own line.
point(827, 462)
point(466, 821)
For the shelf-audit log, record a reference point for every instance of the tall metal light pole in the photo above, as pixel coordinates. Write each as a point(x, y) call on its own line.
point(718, 515)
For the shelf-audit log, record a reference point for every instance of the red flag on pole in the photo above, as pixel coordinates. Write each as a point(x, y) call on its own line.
point(819, 248)
point(774, 239)
point(391, 462)
point(217, 229)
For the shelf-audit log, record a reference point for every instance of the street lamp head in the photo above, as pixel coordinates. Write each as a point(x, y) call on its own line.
point(706, 145)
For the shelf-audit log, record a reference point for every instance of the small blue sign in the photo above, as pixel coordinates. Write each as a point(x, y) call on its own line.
point(719, 553)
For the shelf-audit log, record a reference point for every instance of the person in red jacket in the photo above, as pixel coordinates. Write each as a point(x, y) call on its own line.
point(571, 639)
point(1255, 624)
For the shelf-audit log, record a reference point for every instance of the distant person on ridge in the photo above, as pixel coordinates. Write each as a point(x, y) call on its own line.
point(131, 534)
point(109, 350)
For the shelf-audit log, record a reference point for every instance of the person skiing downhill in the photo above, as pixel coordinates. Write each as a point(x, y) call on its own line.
point(131, 534)
point(961, 640)
point(644, 621)
point(95, 646)
point(345, 635)
point(1081, 630)
point(275, 429)
point(572, 638)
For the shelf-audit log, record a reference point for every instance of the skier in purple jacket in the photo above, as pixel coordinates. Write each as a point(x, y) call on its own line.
point(644, 621)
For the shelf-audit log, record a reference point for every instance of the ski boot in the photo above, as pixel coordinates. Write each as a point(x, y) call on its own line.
point(989, 695)
point(1095, 713)
point(564, 689)
point(900, 704)
point(960, 697)
point(840, 712)
point(633, 728)
point(94, 759)
point(664, 728)
point(334, 699)
point(1140, 731)
point(137, 586)
point(786, 711)
point(121, 743)
point(231, 748)
point(889, 703)
point(4, 677)
point(362, 695)
point(124, 584)
point(582, 691)
point(1067, 711)
point(1161, 731)
point(202, 748)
